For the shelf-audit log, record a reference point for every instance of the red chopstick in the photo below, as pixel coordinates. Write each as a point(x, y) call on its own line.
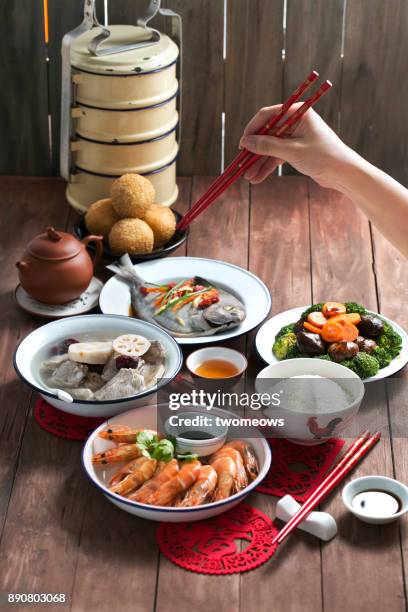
point(304, 509)
point(272, 121)
point(356, 452)
point(288, 126)
point(226, 179)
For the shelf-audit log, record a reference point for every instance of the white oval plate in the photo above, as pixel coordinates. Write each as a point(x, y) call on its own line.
point(115, 295)
point(266, 335)
point(84, 303)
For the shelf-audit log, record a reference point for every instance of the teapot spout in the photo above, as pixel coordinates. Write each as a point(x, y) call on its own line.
point(22, 264)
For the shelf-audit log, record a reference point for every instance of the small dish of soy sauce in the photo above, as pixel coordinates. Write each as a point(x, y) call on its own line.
point(376, 499)
point(196, 432)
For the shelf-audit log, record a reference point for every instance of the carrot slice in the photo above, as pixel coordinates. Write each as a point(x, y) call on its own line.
point(350, 331)
point(317, 319)
point(353, 317)
point(338, 318)
point(333, 308)
point(332, 332)
point(312, 328)
point(339, 331)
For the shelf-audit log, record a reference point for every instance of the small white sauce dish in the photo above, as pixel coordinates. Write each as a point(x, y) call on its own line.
point(387, 500)
point(146, 417)
point(195, 423)
point(223, 353)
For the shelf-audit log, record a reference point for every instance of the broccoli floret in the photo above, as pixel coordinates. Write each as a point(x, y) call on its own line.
point(382, 356)
point(325, 357)
point(312, 308)
point(284, 346)
point(286, 329)
point(349, 363)
point(354, 307)
point(365, 365)
point(295, 353)
point(390, 340)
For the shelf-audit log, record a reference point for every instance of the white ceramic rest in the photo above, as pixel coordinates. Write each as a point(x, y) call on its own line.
point(320, 524)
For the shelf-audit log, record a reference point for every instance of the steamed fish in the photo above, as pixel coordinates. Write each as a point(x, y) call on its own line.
point(186, 309)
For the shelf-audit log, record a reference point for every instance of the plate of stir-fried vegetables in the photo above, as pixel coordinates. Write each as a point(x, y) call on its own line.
point(368, 343)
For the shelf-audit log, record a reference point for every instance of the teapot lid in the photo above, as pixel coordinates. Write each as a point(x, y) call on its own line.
point(54, 245)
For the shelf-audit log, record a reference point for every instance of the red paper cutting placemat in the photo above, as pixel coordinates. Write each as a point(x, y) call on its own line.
point(234, 542)
point(62, 424)
point(298, 470)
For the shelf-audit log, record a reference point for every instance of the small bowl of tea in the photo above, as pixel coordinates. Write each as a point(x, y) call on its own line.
point(217, 362)
point(376, 499)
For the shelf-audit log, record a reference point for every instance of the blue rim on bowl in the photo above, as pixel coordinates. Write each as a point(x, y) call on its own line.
point(164, 381)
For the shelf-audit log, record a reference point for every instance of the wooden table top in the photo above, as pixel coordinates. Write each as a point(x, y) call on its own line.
point(59, 535)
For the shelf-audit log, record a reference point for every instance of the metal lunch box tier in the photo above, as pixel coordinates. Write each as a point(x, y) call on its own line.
point(133, 125)
point(85, 187)
point(124, 92)
point(137, 78)
point(118, 158)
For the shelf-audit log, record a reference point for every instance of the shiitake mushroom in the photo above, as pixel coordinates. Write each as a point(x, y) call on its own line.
point(370, 326)
point(366, 344)
point(299, 325)
point(339, 351)
point(310, 343)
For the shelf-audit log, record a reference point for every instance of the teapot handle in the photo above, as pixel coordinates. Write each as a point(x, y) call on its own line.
point(98, 246)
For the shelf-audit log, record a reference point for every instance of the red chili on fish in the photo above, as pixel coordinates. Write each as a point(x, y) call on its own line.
point(208, 300)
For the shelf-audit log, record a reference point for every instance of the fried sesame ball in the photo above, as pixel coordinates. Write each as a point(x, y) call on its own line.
point(132, 195)
point(101, 217)
point(162, 220)
point(131, 236)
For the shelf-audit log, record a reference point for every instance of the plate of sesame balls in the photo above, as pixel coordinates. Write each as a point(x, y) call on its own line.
point(131, 222)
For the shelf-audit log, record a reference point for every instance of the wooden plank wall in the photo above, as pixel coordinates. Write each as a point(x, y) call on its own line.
point(24, 98)
point(238, 55)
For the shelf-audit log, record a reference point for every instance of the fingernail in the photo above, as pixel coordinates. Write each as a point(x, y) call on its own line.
point(242, 142)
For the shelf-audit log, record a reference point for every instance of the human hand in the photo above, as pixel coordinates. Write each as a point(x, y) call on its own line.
point(313, 149)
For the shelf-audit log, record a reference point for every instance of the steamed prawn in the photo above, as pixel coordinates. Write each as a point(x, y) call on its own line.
point(124, 471)
point(165, 472)
point(241, 480)
point(123, 434)
point(202, 489)
point(142, 469)
point(180, 483)
point(125, 452)
point(248, 457)
point(226, 469)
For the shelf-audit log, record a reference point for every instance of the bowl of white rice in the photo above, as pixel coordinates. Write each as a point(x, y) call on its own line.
point(318, 399)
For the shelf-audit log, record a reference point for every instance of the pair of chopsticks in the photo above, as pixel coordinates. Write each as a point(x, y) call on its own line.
point(245, 159)
point(357, 451)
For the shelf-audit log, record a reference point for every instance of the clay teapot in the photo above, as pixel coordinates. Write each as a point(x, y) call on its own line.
point(56, 267)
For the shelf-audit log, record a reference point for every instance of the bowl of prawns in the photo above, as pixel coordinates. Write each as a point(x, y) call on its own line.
point(153, 483)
